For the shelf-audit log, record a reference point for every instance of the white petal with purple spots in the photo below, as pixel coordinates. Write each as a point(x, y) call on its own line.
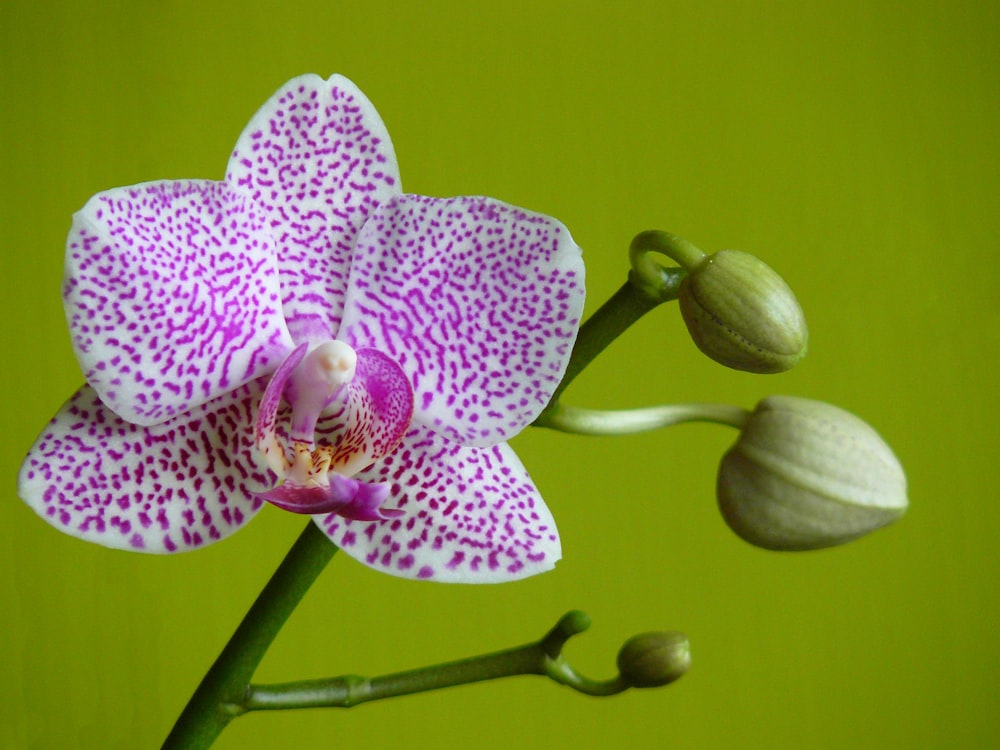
point(478, 301)
point(444, 325)
point(167, 488)
point(318, 159)
point(470, 515)
point(172, 296)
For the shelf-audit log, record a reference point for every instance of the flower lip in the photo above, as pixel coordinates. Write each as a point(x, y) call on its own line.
point(348, 498)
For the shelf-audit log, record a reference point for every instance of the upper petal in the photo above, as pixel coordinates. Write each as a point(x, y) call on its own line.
point(478, 301)
point(469, 515)
point(172, 487)
point(318, 158)
point(171, 294)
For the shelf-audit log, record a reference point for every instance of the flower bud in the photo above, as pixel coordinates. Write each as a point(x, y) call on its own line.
point(654, 659)
point(742, 314)
point(804, 474)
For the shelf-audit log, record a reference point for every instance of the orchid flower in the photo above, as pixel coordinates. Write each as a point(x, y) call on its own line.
point(305, 334)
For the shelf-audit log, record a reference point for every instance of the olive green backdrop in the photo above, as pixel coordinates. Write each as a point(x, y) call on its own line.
point(853, 145)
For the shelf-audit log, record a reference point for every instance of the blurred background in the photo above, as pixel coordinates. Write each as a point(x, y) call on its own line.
point(852, 145)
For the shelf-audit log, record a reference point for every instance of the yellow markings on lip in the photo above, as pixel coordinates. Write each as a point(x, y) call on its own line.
point(311, 466)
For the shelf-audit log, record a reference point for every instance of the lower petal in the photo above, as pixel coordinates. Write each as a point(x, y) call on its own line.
point(469, 515)
point(172, 487)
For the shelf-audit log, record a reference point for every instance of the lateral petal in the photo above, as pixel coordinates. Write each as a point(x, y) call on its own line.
point(478, 301)
point(171, 295)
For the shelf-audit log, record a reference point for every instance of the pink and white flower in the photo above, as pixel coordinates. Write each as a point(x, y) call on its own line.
point(304, 333)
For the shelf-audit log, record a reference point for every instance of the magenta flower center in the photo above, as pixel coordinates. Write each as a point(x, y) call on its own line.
point(346, 412)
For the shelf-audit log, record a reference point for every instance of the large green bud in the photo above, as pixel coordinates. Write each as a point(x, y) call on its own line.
point(742, 314)
point(804, 474)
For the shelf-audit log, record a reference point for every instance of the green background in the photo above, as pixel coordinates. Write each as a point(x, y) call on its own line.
point(853, 145)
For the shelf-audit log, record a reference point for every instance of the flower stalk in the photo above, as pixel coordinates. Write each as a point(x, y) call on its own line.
point(582, 421)
point(649, 284)
point(226, 692)
point(650, 275)
point(216, 701)
point(543, 657)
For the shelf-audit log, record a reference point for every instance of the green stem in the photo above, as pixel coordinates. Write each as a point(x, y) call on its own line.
point(612, 319)
point(649, 284)
point(655, 241)
point(543, 657)
point(218, 699)
point(351, 690)
point(627, 421)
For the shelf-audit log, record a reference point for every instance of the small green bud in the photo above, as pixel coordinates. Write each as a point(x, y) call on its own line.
point(804, 475)
point(742, 314)
point(654, 659)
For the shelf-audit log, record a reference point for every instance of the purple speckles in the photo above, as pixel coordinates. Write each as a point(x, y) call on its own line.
point(139, 501)
point(152, 294)
point(479, 301)
point(472, 515)
point(307, 159)
point(435, 329)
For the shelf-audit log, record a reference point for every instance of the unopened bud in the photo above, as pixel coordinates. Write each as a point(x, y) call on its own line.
point(654, 659)
point(742, 314)
point(804, 474)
